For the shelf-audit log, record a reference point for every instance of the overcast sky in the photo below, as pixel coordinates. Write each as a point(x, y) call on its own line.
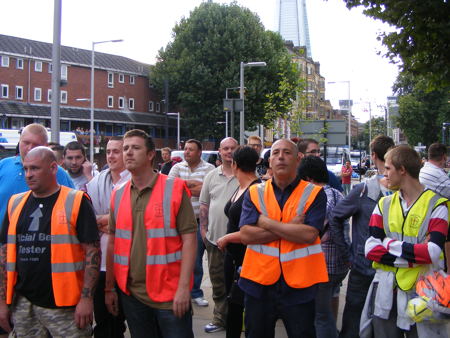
point(344, 42)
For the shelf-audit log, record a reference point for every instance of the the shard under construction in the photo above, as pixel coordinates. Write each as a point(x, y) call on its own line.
point(293, 23)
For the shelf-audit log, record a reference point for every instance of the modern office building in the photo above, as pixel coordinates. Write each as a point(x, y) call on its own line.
point(293, 23)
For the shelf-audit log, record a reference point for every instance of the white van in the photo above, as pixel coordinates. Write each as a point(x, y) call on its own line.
point(10, 137)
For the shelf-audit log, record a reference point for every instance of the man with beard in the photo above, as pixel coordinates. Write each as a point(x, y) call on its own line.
point(78, 167)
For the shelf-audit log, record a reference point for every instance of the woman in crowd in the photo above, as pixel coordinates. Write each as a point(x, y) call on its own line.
point(244, 166)
point(335, 245)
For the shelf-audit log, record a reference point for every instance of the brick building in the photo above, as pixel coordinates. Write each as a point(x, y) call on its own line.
point(123, 97)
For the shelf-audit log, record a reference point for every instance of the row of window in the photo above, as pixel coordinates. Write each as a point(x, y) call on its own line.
point(132, 79)
point(38, 66)
point(153, 107)
point(120, 102)
point(37, 94)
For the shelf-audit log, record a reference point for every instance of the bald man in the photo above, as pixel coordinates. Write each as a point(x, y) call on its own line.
point(284, 263)
point(12, 175)
point(218, 186)
point(49, 254)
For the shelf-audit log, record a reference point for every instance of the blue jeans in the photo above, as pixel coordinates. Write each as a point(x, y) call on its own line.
point(325, 322)
point(261, 316)
point(347, 188)
point(146, 322)
point(357, 288)
point(198, 268)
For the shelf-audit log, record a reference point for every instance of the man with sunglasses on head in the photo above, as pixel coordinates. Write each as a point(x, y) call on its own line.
point(310, 147)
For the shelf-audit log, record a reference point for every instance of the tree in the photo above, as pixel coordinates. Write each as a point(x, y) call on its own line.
point(378, 128)
point(204, 59)
point(421, 111)
point(421, 39)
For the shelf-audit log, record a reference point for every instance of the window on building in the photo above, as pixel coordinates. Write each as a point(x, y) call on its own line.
point(37, 94)
point(132, 79)
point(63, 72)
point(19, 63)
point(158, 107)
point(310, 86)
point(150, 106)
point(110, 101)
point(38, 66)
point(50, 68)
point(309, 70)
point(19, 93)
point(121, 78)
point(63, 96)
point(121, 102)
point(110, 80)
point(5, 91)
point(49, 95)
point(131, 103)
point(5, 61)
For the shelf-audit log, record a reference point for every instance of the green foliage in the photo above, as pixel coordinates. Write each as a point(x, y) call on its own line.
point(281, 102)
point(378, 128)
point(204, 59)
point(422, 112)
point(421, 39)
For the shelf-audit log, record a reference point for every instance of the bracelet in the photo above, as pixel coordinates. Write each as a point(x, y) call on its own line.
point(110, 290)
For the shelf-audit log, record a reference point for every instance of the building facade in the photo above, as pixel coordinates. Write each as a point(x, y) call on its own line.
point(123, 100)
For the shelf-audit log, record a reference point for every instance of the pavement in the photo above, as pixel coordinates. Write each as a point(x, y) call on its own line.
point(203, 315)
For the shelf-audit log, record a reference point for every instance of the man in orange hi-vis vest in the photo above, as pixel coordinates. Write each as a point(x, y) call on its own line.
point(280, 223)
point(152, 246)
point(50, 255)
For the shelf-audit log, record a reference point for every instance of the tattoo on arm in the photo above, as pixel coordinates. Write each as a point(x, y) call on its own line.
point(3, 272)
point(204, 210)
point(91, 269)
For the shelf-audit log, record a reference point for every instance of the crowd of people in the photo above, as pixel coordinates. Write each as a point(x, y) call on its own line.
point(124, 247)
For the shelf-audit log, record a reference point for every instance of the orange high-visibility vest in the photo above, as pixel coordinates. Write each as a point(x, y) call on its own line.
point(302, 265)
point(164, 244)
point(67, 256)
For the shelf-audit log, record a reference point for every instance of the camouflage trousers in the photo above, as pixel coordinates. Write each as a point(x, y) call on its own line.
point(34, 321)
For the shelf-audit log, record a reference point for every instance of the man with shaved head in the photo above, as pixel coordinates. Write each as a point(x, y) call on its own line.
point(217, 189)
point(284, 263)
point(49, 255)
point(12, 175)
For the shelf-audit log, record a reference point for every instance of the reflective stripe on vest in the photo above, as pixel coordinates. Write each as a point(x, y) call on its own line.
point(301, 265)
point(423, 207)
point(289, 256)
point(122, 260)
point(423, 229)
point(67, 267)
point(67, 257)
point(164, 259)
point(275, 252)
point(163, 241)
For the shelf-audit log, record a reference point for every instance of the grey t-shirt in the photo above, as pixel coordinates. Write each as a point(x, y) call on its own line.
point(216, 191)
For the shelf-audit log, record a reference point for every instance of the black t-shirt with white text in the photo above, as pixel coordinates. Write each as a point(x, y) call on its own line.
point(34, 245)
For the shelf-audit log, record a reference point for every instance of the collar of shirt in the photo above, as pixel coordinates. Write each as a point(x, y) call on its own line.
point(283, 195)
point(150, 185)
point(18, 160)
point(405, 207)
point(219, 169)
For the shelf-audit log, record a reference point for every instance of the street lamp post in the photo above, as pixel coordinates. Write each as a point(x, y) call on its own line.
point(241, 90)
point(349, 113)
point(91, 126)
point(178, 127)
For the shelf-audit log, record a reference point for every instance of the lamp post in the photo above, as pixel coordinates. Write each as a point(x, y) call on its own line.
point(91, 132)
point(178, 127)
point(241, 90)
point(349, 113)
